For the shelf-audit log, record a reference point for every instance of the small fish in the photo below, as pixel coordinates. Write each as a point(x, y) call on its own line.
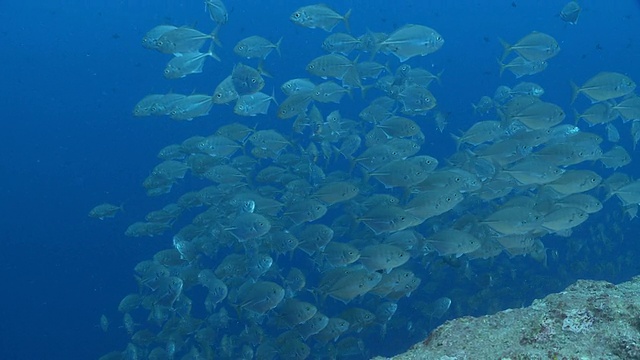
point(570, 12)
point(319, 16)
point(412, 40)
point(253, 104)
point(297, 86)
point(535, 46)
point(604, 86)
point(225, 92)
point(150, 39)
point(453, 242)
point(187, 64)
point(104, 211)
point(184, 40)
point(341, 43)
point(217, 11)
point(191, 107)
point(256, 47)
point(383, 257)
point(246, 80)
point(521, 67)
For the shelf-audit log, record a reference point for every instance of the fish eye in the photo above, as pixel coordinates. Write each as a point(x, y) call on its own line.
point(297, 14)
point(253, 81)
point(219, 95)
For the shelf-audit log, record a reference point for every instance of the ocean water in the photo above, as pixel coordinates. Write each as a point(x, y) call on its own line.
point(72, 71)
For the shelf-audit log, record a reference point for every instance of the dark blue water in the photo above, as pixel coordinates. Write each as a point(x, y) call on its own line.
point(72, 71)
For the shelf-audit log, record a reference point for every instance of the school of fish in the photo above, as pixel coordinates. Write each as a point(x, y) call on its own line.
point(299, 242)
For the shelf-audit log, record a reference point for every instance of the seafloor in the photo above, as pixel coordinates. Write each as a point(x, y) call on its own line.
point(589, 320)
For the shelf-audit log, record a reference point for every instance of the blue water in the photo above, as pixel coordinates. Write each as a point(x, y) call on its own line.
point(72, 71)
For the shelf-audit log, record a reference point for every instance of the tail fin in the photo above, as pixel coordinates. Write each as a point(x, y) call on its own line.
point(502, 66)
point(577, 116)
point(278, 46)
point(345, 18)
point(574, 91)
point(507, 48)
point(214, 36)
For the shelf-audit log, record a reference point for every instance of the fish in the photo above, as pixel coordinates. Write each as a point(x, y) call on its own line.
point(604, 86)
point(259, 297)
point(629, 108)
point(412, 40)
point(329, 92)
point(384, 257)
point(564, 218)
point(246, 80)
point(335, 327)
point(313, 326)
point(337, 254)
point(336, 192)
point(296, 86)
point(305, 211)
point(104, 211)
point(539, 115)
point(247, 226)
point(150, 39)
point(253, 104)
point(513, 220)
point(319, 16)
point(192, 106)
point(225, 92)
point(331, 65)
point(217, 11)
point(292, 312)
point(184, 40)
point(340, 43)
point(520, 67)
point(187, 64)
point(388, 219)
point(531, 171)
point(535, 46)
point(348, 283)
point(256, 47)
point(615, 158)
point(294, 105)
point(570, 12)
point(575, 181)
point(453, 242)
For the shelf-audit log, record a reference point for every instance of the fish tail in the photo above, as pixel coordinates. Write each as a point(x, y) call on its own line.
point(577, 116)
point(506, 46)
point(212, 53)
point(502, 66)
point(262, 71)
point(457, 139)
point(345, 18)
point(574, 91)
point(438, 76)
point(278, 46)
point(214, 36)
point(273, 96)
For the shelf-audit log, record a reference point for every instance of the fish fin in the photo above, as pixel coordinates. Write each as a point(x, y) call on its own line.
point(577, 116)
point(262, 71)
point(345, 18)
point(212, 53)
point(273, 96)
point(438, 76)
point(456, 138)
point(506, 46)
point(502, 66)
point(278, 46)
point(214, 36)
point(574, 91)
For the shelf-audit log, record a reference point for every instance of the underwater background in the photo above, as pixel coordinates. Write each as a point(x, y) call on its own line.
point(73, 71)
